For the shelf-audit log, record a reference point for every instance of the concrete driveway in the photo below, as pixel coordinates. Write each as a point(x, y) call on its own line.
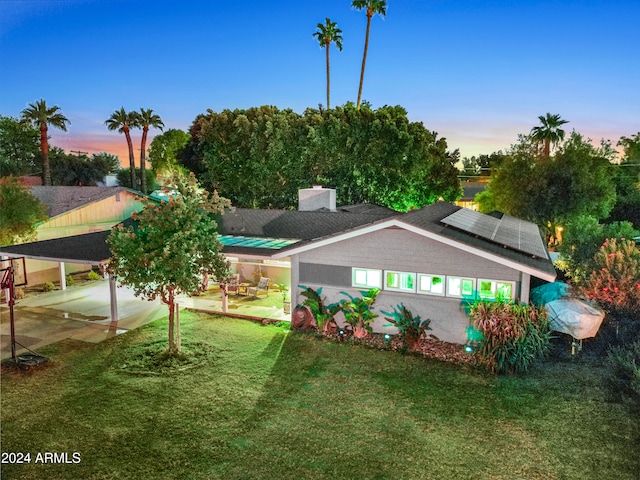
point(81, 312)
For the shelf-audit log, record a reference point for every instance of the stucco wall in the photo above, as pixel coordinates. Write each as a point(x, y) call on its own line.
point(397, 249)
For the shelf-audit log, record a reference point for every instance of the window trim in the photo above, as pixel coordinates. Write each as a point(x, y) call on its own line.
point(368, 271)
point(461, 295)
point(496, 283)
point(432, 276)
point(400, 288)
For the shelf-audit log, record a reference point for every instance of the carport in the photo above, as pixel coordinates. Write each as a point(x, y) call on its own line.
point(89, 249)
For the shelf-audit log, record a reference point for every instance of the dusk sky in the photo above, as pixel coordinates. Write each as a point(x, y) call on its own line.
point(477, 72)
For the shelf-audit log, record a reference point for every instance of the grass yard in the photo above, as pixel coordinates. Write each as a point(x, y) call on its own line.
point(259, 402)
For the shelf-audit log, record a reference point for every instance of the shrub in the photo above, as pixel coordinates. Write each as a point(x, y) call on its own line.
point(615, 281)
point(623, 380)
point(48, 287)
point(410, 328)
point(358, 313)
point(70, 280)
point(513, 335)
point(323, 313)
point(582, 238)
point(93, 275)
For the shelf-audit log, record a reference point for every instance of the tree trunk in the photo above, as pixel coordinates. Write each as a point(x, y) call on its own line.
point(132, 161)
point(327, 45)
point(143, 176)
point(44, 146)
point(364, 57)
point(174, 327)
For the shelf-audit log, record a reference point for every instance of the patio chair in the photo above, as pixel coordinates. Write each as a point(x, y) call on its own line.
point(262, 287)
point(232, 284)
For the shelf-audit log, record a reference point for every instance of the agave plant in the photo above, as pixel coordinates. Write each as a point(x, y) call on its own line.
point(358, 313)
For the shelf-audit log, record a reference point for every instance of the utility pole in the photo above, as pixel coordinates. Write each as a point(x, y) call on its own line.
point(78, 153)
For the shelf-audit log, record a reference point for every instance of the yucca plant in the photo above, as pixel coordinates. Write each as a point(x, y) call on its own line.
point(514, 335)
point(358, 312)
point(323, 313)
point(410, 328)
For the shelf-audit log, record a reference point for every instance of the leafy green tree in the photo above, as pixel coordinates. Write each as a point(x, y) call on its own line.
point(577, 182)
point(261, 157)
point(170, 248)
point(67, 169)
point(371, 8)
point(123, 122)
point(19, 148)
point(124, 178)
point(20, 212)
point(548, 133)
point(165, 149)
point(627, 180)
point(41, 116)
point(327, 34)
point(581, 240)
point(482, 165)
point(106, 162)
point(145, 119)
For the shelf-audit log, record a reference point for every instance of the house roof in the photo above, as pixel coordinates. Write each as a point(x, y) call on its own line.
point(87, 248)
point(61, 200)
point(280, 233)
point(471, 189)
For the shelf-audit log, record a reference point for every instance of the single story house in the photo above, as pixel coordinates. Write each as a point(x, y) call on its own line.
point(432, 260)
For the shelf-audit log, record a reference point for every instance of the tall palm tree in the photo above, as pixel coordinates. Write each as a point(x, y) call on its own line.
point(548, 133)
point(372, 7)
point(123, 122)
point(145, 119)
point(41, 117)
point(326, 34)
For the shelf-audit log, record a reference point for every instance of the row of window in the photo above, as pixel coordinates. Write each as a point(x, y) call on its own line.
point(429, 284)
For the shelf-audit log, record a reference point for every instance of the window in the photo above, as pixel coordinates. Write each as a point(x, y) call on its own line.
point(366, 278)
point(460, 287)
point(492, 289)
point(431, 284)
point(400, 281)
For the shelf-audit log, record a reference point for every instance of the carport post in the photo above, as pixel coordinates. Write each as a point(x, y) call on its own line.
point(62, 276)
point(113, 298)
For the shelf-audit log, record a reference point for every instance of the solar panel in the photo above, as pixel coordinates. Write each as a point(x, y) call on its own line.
point(507, 231)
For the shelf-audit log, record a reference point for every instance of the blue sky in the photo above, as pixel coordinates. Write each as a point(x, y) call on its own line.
point(477, 72)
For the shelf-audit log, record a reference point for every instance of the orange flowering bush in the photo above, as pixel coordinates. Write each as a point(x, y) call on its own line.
point(615, 283)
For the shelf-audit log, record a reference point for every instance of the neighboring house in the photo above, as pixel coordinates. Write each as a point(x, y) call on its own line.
point(74, 211)
point(469, 192)
point(431, 260)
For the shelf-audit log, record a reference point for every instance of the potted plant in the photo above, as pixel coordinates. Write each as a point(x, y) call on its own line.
point(358, 313)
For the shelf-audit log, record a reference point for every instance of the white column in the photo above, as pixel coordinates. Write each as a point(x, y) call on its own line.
point(295, 280)
point(525, 285)
point(62, 275)
point(113, 298)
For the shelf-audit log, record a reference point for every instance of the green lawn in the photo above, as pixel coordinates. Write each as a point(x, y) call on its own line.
point(264, 403)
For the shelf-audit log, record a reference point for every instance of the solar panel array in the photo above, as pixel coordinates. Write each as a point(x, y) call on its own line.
point(255, 242)
point(506, 231)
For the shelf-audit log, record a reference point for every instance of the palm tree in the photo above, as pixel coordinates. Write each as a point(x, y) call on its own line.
point(326, 34)
point(41, 117)
point(373, 7)
point(549, 132)
point(123, 121)
point(146, 118)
